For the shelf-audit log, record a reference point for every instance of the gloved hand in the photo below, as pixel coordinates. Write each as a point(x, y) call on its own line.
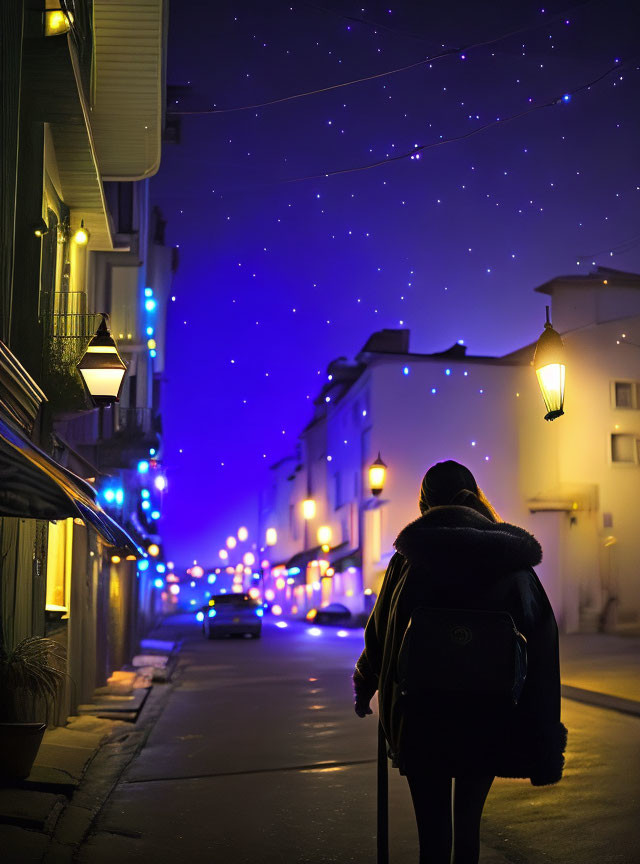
point(362, 708)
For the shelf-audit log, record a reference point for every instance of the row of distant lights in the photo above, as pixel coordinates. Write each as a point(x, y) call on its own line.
point(150, 304)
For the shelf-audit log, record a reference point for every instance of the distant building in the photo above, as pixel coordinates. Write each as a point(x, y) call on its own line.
point(574, 482)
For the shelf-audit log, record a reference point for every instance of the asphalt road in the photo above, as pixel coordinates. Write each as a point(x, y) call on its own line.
point(258, 757)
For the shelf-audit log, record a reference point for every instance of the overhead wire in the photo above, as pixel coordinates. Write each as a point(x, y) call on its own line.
point(449, 52)
point(498, 121)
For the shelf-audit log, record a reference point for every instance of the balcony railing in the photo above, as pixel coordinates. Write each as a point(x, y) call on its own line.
point(67, 330)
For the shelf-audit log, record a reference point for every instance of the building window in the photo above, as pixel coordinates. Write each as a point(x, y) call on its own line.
point(624, 449)
point(293, 522)
point(59, 559)
point(337, 490)
point(625, 394)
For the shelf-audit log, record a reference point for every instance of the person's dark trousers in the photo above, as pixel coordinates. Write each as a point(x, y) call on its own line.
point(437, 832)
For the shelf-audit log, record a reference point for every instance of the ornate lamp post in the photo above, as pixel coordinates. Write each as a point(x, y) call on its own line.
point(548, 361)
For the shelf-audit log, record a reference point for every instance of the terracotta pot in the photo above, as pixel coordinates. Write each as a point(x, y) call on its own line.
point(19, 744)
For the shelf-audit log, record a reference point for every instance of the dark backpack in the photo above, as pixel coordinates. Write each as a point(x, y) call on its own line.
point(463, 651)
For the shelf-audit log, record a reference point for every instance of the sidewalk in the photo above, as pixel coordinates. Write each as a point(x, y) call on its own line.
point(32, 810)
point(602, 669)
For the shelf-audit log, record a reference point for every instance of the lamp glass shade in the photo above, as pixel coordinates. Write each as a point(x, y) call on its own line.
point(551, 381)
point(308, 508)
point(271, 537)
point(102, 368)
point(548, 362)
point(324, 535)
point(377, 476)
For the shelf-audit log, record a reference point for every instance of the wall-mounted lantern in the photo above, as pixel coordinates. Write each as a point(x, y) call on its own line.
point(548, 362)
point(377, 476)
point(271, 537)
point(102, 368)
point(308, 509)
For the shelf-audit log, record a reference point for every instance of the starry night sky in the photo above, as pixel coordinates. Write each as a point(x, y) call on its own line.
point(277, 278)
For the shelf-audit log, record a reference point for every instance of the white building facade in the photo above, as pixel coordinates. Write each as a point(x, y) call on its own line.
point(573, 482)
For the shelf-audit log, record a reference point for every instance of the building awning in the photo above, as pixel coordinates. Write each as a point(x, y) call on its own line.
point(565, 499)
point(34, 486)
point(343, 560)
point(301, 559)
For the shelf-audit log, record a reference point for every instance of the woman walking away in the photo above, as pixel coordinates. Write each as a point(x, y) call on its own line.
point(461, 696)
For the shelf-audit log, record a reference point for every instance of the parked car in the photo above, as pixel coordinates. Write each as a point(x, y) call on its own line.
point(232, 614)
point(332, 613)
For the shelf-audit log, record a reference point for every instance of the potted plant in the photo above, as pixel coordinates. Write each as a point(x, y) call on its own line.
point(31, 676)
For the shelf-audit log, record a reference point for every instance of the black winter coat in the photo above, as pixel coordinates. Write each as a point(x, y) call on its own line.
point(454, 557)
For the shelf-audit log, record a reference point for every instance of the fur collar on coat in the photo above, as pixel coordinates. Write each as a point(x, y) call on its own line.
point(453, 539)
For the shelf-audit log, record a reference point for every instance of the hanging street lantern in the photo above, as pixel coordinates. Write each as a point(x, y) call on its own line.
point(548, 362)
point(377, 476)
point(102, 368)
point(308, 509)
point(271, 537)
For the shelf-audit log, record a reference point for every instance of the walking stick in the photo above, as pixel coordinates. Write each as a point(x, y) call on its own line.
point(382, 836)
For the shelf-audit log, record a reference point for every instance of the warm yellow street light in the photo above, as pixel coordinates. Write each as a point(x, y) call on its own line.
point(242, 534)
point(81, 236)
point(308, 509)
point(324, 537)
point(548, 362)
point(377, 475)
point(271, 537)
point(231, 542)
point(102, 368)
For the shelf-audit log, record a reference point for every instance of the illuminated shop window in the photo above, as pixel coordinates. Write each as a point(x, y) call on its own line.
point(59, 558)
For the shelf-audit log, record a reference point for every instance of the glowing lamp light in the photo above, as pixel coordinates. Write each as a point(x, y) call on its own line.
point(311, 614)
point(153, 550)
point(342, 633)
point(171, 577)
point(276, 610)
point(281, 624)
point(271, 537)
point(200, 616)
point(160, 483)
point(223, 554)
point(249, 559)
point(324, 535)
point(212, 613)
point(548, 362)
point(81, 236)
point(254, 593)
point(368, 592)
point(146, 505)
point(158, 583)
point(211, 578)
point(242, 534)
point(377, 475)
point(269, 594)
point(314, 631)
point(280, 583)
point(161, 568)
point(197, 572)
point(174, 589)
point(102, 368)
point(150, 305)
point(308, 509)
point(143, 565)
point(56, 22)
point(231, 542)
point(41, 228)
point(116, 559)
point(151, 343)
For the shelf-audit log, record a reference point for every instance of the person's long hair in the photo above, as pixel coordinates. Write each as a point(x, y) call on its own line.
point(477, 501)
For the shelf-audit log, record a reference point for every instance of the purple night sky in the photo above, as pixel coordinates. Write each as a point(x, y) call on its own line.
point(276, 278)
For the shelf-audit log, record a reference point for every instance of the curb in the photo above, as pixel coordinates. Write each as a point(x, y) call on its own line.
point(601, 700)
